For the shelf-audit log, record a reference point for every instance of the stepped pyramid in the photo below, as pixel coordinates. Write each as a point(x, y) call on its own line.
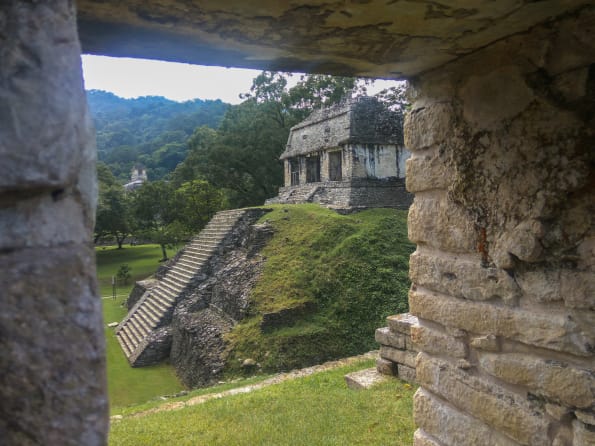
point(155, 308)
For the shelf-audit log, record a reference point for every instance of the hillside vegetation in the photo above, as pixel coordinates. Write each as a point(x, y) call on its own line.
point(334, 279)
point(150, 130)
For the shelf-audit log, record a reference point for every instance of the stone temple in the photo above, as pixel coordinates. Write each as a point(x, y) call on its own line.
point(348, 156)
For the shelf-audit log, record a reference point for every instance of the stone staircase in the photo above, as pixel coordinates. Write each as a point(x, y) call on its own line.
point(295, 194)
point(155, 308)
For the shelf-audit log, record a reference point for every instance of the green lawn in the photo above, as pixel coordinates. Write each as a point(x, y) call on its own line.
point(129, 385)
point(315, 410)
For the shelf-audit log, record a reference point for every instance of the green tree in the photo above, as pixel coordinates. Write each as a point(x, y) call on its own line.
point(197, 202)
point(113, 218)
point(242, 157)
point(153, 210)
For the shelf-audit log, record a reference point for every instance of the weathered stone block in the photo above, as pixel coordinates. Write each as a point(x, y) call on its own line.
point(552, 379)
point(488, 343)
point(42, 221)
point(401, 323)
point(428, 125)
point(428, 170)
point(575, 288)
point(452, 426)
point(386, 367)
point(461, 277)
point(583, 435)
point(438, 343)
point(42, 95)
point(436, 221)
point(554, 330)
point(421, 438)
point(494, 97)
point(385, 336)
point(364, 379)
point(53, 362)
point(587, 417)
point(406, 373)
point(495, 406)
point(398, 356)
point(578, 289)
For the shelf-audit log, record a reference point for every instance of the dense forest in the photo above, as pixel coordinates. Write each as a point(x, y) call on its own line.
point(149, 130)
point(202, 156)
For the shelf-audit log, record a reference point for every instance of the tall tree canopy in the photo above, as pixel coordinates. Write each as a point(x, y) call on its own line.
point(242, 157)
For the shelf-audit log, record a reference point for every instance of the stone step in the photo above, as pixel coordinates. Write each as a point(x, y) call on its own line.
point(209, 244)
point(142, 322)
point(183, 271)
point(160, 306)
point(175, 281)
point(131, 329)
point(124, 344)
point(172, 284)
point(146, 319)
point(365, 379)
point(163, 300)
point(165, 295)
point(151, 318)
point(200, 252)
point(191, 262)
point(127, 340)
point(152, 310)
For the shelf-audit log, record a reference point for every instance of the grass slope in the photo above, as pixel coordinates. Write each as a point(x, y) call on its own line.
point(316, 410)
point(352, 269)
point(127, 385)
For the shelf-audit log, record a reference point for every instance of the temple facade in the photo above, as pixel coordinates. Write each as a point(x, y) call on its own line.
point(348, 156)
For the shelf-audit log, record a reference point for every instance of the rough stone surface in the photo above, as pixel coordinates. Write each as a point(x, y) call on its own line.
point(436, 222)
point(406, 373)
point(583, 435)
point(560, 331)
point(421, 438)
point(199, 323)
point(438, 343)
point(386, 337)
point(198, 348)
point(386, 367)
point(554, 380)
point(462, 277)
point(52, 384)
point(495, 406)
point(364, 379)
point(398, 356)
point(489, 343)
point(453, 427)
point(402, 323)
point(373, 38)
point(505, 234)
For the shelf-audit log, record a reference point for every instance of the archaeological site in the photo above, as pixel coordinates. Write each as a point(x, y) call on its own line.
point(347, 157)
point(501, 136)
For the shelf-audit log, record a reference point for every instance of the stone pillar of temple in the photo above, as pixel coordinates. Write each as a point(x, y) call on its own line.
point(503, 278)
point(52, 366)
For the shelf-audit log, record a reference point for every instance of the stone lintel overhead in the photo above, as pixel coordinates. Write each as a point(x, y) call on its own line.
point(374, 38)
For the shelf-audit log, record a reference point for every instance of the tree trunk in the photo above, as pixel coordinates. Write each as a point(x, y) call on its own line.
point(164, 252)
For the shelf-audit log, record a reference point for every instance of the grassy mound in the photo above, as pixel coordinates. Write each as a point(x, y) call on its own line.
point(332, 279)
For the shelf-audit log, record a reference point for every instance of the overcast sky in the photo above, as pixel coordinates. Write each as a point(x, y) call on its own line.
point(131, 78)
